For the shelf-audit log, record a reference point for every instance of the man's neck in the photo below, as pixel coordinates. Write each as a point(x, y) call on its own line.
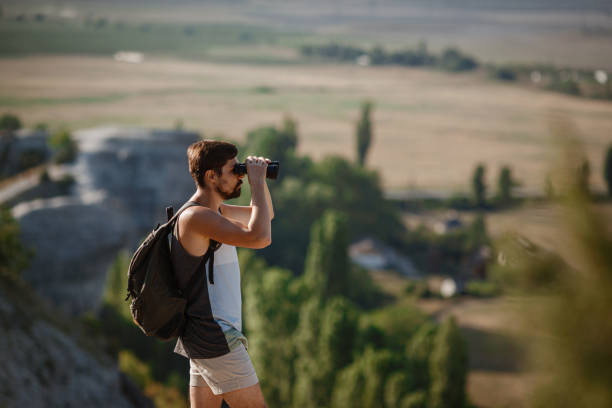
point(207, 198)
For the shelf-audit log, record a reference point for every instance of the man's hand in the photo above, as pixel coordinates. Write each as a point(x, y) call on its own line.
point(256, 168)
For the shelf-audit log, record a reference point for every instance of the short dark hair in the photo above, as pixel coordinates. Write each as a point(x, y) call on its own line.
point(208, 155)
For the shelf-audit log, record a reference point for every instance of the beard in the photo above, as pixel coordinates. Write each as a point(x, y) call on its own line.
point(232, 194)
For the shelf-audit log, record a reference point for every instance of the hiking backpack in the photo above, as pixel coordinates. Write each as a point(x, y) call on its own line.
point(158, 305)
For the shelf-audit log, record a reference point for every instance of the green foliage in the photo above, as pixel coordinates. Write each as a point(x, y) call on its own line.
point(14, 256)
point(271, 317)
point(349, 387)
point(162, 396)
point(477, 235)
point(482, 289)
point(308, 383)
point(9, 122)
point(607, 170)
point(571, 305)
point(417, 288)
point(114, 322)
point(138, 371)
point(327, 264)
point(451, 59)
point(454, 61)
point(478, 186)
point(397, 386)
point(116, 286)
point(362, 384)
point(448, 367)
point(276, 144)
point(337, 338)
point(567, 86)
point(415, 400)
point(363, 133)
point(398, 322)
point(418, 352)
point(305, 190)
point(64, 146)
point(377, 366)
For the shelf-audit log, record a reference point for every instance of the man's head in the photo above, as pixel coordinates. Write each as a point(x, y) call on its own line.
point(211, 163)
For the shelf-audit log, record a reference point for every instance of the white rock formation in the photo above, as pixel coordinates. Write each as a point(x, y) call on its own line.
point(124, 179)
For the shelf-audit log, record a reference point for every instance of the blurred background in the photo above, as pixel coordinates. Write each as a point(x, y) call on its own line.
point(443, 228)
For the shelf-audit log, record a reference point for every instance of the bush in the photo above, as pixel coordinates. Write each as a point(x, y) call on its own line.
point(568, 86)
point(482, 289)
point(9, 122)
point(503, 73)
point(454, 61)
point(14, 256)
point(64, 146)
point(31, 158)
point(419, 289)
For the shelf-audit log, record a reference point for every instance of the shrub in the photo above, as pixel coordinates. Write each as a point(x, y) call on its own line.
point(503, 73)
point(9, 122)
point(64, 146)
point(482, 289)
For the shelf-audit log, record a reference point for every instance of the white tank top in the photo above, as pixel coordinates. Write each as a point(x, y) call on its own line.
point(224, 294)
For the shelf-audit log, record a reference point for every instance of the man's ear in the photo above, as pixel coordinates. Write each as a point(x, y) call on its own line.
point(210, 175)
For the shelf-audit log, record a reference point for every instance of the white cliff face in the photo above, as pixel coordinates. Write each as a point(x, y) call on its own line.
point(124, 179)
point(43, 366)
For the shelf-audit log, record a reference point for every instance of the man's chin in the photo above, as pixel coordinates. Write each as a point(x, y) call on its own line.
point(234, 194)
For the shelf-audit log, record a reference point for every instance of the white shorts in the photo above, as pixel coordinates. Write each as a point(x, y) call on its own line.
point(229, 372)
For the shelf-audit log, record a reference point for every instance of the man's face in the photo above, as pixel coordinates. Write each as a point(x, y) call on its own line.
point(229, 184)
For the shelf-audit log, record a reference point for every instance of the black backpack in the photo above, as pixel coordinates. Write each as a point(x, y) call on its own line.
point(158, 305)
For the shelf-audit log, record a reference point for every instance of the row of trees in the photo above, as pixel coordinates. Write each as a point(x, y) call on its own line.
point(577, 82)
point(451, 59)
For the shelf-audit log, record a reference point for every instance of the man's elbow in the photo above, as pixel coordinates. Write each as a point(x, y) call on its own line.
point(263, 243)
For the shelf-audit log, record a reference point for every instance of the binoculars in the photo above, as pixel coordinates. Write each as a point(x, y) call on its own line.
point(271, 171)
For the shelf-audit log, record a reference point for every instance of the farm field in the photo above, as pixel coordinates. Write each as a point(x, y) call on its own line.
point(542, 31)
point(421, 118)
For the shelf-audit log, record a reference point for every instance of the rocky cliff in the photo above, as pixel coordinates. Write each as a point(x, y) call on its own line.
point(47, 362)
point(124, 179)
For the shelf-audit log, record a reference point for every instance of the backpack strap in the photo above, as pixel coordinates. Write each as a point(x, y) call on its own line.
point(210, 253)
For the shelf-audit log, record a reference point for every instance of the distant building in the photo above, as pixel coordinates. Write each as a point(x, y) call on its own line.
point(370, 253)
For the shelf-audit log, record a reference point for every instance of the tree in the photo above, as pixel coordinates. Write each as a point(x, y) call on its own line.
point(397, 386)
point(477, 233)
point(584, 173)
point(327, 265)
point(478, 185)
point(348, 390)
point(418, 352)
point(9, 122)
point(364, 133)
point(306, 392)
point(65, 147)
point(336, 341)
point(271, 317)
point(448, 367)
point(608, 170)
point(505, 183)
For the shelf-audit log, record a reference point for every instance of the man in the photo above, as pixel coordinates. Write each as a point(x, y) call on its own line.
point(220, 368)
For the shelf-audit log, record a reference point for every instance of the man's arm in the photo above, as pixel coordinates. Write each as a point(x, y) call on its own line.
point(257, 233)
point(241, 213)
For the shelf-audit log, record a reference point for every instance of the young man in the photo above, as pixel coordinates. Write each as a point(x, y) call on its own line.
point(220, 368)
